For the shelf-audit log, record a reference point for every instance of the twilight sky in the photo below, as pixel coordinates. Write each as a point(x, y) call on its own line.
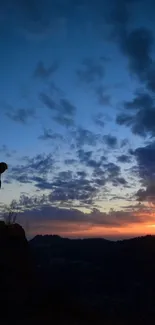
point(77, 112)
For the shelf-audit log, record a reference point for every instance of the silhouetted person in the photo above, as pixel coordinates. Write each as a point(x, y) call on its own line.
point(3, 167)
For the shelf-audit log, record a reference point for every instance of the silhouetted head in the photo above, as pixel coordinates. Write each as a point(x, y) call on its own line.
point(3, 167)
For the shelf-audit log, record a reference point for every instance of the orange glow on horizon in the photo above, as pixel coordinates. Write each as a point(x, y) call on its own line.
point(131, 224)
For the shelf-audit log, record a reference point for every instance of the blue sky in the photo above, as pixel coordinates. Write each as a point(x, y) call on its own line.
point(78, 116)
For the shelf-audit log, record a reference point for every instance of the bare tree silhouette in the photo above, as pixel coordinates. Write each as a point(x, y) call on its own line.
point(10, 216)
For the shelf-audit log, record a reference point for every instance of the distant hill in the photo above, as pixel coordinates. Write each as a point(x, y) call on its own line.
point(117, 279)
point(93, 248)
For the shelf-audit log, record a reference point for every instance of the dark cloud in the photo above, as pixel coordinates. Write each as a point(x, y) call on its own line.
point(64, 120)
point(82, 174)
point(147, 194)
point(108, 173)
point(118, 181)
point(42, 72)
point(112, 170)
point(21, 115)
point(67, 186)
point(42, 216)
point(137, 46)
point(67, 107)
point(110, 140)
point(124, 143)
point(84, 156)
point(70, 161)
point(71, 186)
point(124, 159)
point(48, 101)
point(64, 106)
point(139, 114)
point(42, 184)
point(64, 110)
point(142, 100)
point(40, 165)
point(145, 170)
point(55, 90)
point(94, 163)
point(145, 157)
point(151, 78)
point(85, 137)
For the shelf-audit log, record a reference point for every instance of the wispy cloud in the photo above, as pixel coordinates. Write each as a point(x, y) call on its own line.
point(44, 73)
point(91, 71)
point(21, 115)
point(48, 134)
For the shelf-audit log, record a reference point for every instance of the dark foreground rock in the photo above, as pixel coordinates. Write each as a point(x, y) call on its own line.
point(17, 271)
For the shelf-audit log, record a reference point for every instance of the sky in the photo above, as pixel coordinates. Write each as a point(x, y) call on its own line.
point(77, 112)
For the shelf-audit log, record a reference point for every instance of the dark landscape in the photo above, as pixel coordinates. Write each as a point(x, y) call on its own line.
point(86, 281)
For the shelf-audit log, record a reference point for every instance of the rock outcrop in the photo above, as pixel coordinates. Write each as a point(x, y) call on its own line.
point(17, 272)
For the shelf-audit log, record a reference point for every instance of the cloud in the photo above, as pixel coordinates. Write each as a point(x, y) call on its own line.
point(67, 107)
point(42, 72)
point(124, 143)
point(64, 120)
point(112, 170)
point(40, 165)
point(91, 71)
point(92, 74)
point(110, 140)
point(145, 170)
point(136, 44)
point(137, 47)
point(99, 119)
point(4, 150)
point(21, 115)
point(118, 17)
point(64, 110)
point(118, 181)
point(70, 161)
point(85, 137)
point(70, 187)
point(103, 98)
point(145, 157)
point(86, 158)
point(48, 101)
point(151, 78)
point(39, 213)
point(41, 162)
point(142, 100)
point(139, 114)
point(124, 159)
point(37, 21)
point(48, 134)
point(147, 194)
